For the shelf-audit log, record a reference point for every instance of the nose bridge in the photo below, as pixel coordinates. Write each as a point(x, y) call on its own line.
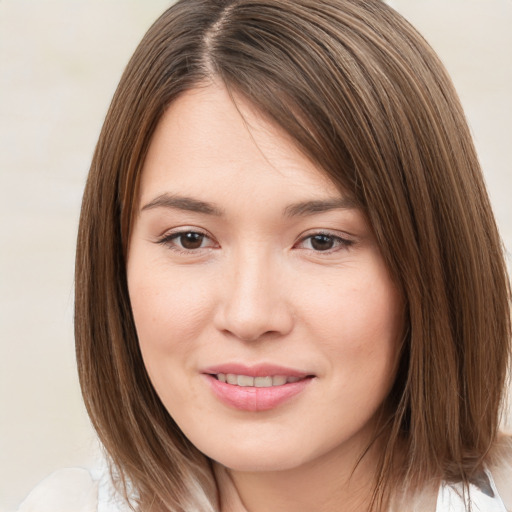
point(254, 299)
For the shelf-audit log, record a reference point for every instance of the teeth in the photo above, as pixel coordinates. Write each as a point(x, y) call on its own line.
point(258, 382)
point(263, 382)
point(244, 380)
point(278, 380)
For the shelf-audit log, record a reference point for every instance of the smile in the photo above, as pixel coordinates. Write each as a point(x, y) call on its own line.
point(256, 388)
point(257, 382)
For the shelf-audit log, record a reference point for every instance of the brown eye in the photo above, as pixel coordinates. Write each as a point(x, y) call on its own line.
point(191, 240)
point(187, 242)
point(322, 242)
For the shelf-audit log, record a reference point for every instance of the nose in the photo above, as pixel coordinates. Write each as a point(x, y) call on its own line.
point(254, 303)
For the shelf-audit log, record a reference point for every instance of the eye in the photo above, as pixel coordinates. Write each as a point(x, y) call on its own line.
point(321, 242)
point(325, 242)
point(190, 240)
point(187, 241)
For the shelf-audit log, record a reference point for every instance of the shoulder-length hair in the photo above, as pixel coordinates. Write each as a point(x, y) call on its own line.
point(367, 100)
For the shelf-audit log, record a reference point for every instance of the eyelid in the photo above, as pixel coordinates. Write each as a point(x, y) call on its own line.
point(183, 229)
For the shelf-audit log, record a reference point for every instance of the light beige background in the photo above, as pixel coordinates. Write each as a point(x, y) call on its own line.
point(60, 61)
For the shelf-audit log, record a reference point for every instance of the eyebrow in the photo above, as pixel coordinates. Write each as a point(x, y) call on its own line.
point(303, 208)
point(183, 203)
point(312, 207)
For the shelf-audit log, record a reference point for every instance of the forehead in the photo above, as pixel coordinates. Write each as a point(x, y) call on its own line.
point(208, 142)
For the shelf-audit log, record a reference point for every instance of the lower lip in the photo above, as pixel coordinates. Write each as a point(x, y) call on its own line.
point(256, 399)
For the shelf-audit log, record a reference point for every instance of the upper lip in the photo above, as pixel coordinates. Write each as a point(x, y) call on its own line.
point(257, 370)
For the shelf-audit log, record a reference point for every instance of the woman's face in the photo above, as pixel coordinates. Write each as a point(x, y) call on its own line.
point(247, 265)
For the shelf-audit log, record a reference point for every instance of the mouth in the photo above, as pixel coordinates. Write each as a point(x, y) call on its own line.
point(257, 382)
point(256, 388)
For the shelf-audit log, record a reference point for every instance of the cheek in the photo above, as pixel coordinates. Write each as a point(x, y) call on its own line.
point(168, 309)
point(168, 318)
point(366, 311)
point(359, 325)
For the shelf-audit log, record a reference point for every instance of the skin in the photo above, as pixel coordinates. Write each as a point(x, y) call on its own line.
point(256, 286)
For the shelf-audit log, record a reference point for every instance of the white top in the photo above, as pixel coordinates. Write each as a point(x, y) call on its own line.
point(80, 490)
point(484, 497)
point(75, 490)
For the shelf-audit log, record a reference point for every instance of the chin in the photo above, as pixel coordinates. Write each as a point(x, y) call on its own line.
point(265, 456)
point(255, 463)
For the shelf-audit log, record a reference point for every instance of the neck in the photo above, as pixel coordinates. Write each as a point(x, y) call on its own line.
point(333, 482)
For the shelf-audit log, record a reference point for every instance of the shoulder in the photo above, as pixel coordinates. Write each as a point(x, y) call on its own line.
point(76, 489)
point(483, 496)
point(500, 465)
point(64, 490)
point(491, 491)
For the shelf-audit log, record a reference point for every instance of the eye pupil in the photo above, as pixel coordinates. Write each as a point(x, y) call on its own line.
point(191, 240)
point(322, 242)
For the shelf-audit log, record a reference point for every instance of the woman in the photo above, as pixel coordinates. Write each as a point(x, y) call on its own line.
point(291, 292)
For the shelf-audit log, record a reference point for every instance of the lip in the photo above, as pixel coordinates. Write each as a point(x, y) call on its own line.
point(256, 399)
point(258, 370)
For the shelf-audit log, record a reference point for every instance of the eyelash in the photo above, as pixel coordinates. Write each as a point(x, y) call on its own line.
point(169, 240)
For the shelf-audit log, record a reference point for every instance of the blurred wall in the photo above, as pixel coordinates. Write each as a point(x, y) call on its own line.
point(60, 61)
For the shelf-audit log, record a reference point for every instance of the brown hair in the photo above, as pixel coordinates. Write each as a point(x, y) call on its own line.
point(365, 98)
